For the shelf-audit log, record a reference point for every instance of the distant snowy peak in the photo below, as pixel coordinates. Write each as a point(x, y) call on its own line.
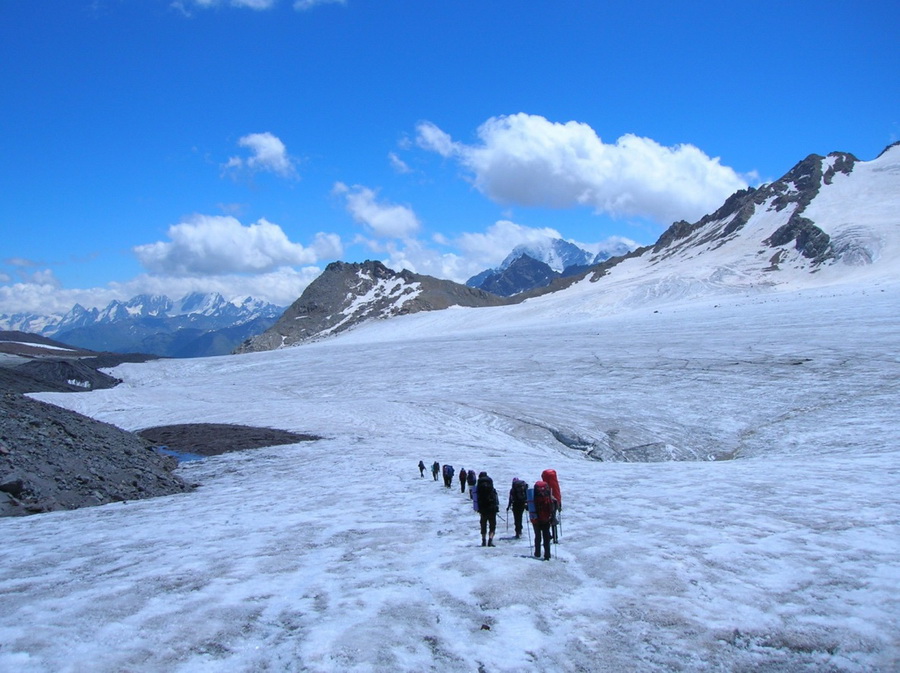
point(149, 305)
point(532, 265)
point(614, 247)
point(208, 304)
point(554, 252)
point(346, 295)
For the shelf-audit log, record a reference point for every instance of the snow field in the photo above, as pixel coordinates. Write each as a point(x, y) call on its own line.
point(336, 556)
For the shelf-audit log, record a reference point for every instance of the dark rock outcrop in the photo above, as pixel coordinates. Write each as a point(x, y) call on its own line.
point(53, 459)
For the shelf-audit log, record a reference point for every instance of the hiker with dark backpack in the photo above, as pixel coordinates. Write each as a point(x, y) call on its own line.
point(435, 468)
point(472, 480)
point(542, 511)
point(463, 475)
point(421, 469)
point(488, 505)
point(518, 500)
point(448, 475)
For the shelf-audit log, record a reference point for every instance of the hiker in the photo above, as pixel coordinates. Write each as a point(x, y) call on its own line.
point(550, 477)
point(471, 479)
point(435, 468)
point(421, 469)
point(463, 475)
point(542, 517)
point(518, 500)
point(448, 475)
point(488, 506)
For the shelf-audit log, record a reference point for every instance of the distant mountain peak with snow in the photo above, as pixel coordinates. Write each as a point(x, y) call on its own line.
point(348, 294)
point(554, 252)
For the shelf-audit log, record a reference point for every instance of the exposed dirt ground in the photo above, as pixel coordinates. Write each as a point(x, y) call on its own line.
point(212, 439)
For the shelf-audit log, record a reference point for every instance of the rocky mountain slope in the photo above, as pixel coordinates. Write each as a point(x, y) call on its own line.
point(348, 294)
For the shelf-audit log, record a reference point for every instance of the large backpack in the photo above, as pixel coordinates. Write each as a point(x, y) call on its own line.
point(543, 503)
point(486, 495)
point(550, 477)
point(519, 492)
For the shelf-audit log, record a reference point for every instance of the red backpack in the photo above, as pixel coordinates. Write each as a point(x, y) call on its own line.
point(550, 477)
point(543, 502)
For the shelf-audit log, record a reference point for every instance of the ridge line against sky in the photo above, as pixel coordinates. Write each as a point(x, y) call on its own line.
point(239, 146)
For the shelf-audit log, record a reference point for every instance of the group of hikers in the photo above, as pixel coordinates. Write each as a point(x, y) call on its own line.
point(543, 502)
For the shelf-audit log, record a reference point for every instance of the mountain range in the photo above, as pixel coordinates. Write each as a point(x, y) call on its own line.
point(198, 324)
point(827, 218)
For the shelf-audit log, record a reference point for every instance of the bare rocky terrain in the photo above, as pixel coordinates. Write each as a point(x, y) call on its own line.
point(55, 459)
point(52, 459)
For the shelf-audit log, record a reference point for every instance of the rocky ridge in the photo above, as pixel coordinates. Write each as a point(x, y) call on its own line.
point(347, 294)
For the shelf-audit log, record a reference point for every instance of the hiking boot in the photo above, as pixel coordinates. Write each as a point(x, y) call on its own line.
point(537, 554)
point(483, 543)
point(490, 543)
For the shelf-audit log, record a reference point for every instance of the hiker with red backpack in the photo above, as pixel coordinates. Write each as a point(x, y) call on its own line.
point(463, 475)
point(518, 500)
point(550, 477)
point(542, 508)
point(488, 504)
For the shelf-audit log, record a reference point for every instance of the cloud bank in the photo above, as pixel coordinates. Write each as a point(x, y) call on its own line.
point(217, 244)
point(527, 160)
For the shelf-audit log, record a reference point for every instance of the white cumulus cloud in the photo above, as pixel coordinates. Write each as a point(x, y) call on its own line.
point(267, 153)
point(217, 244)
point(384, 220)
point(528, 160)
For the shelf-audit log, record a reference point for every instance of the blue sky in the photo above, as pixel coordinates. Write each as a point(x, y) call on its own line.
point(240, 146)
